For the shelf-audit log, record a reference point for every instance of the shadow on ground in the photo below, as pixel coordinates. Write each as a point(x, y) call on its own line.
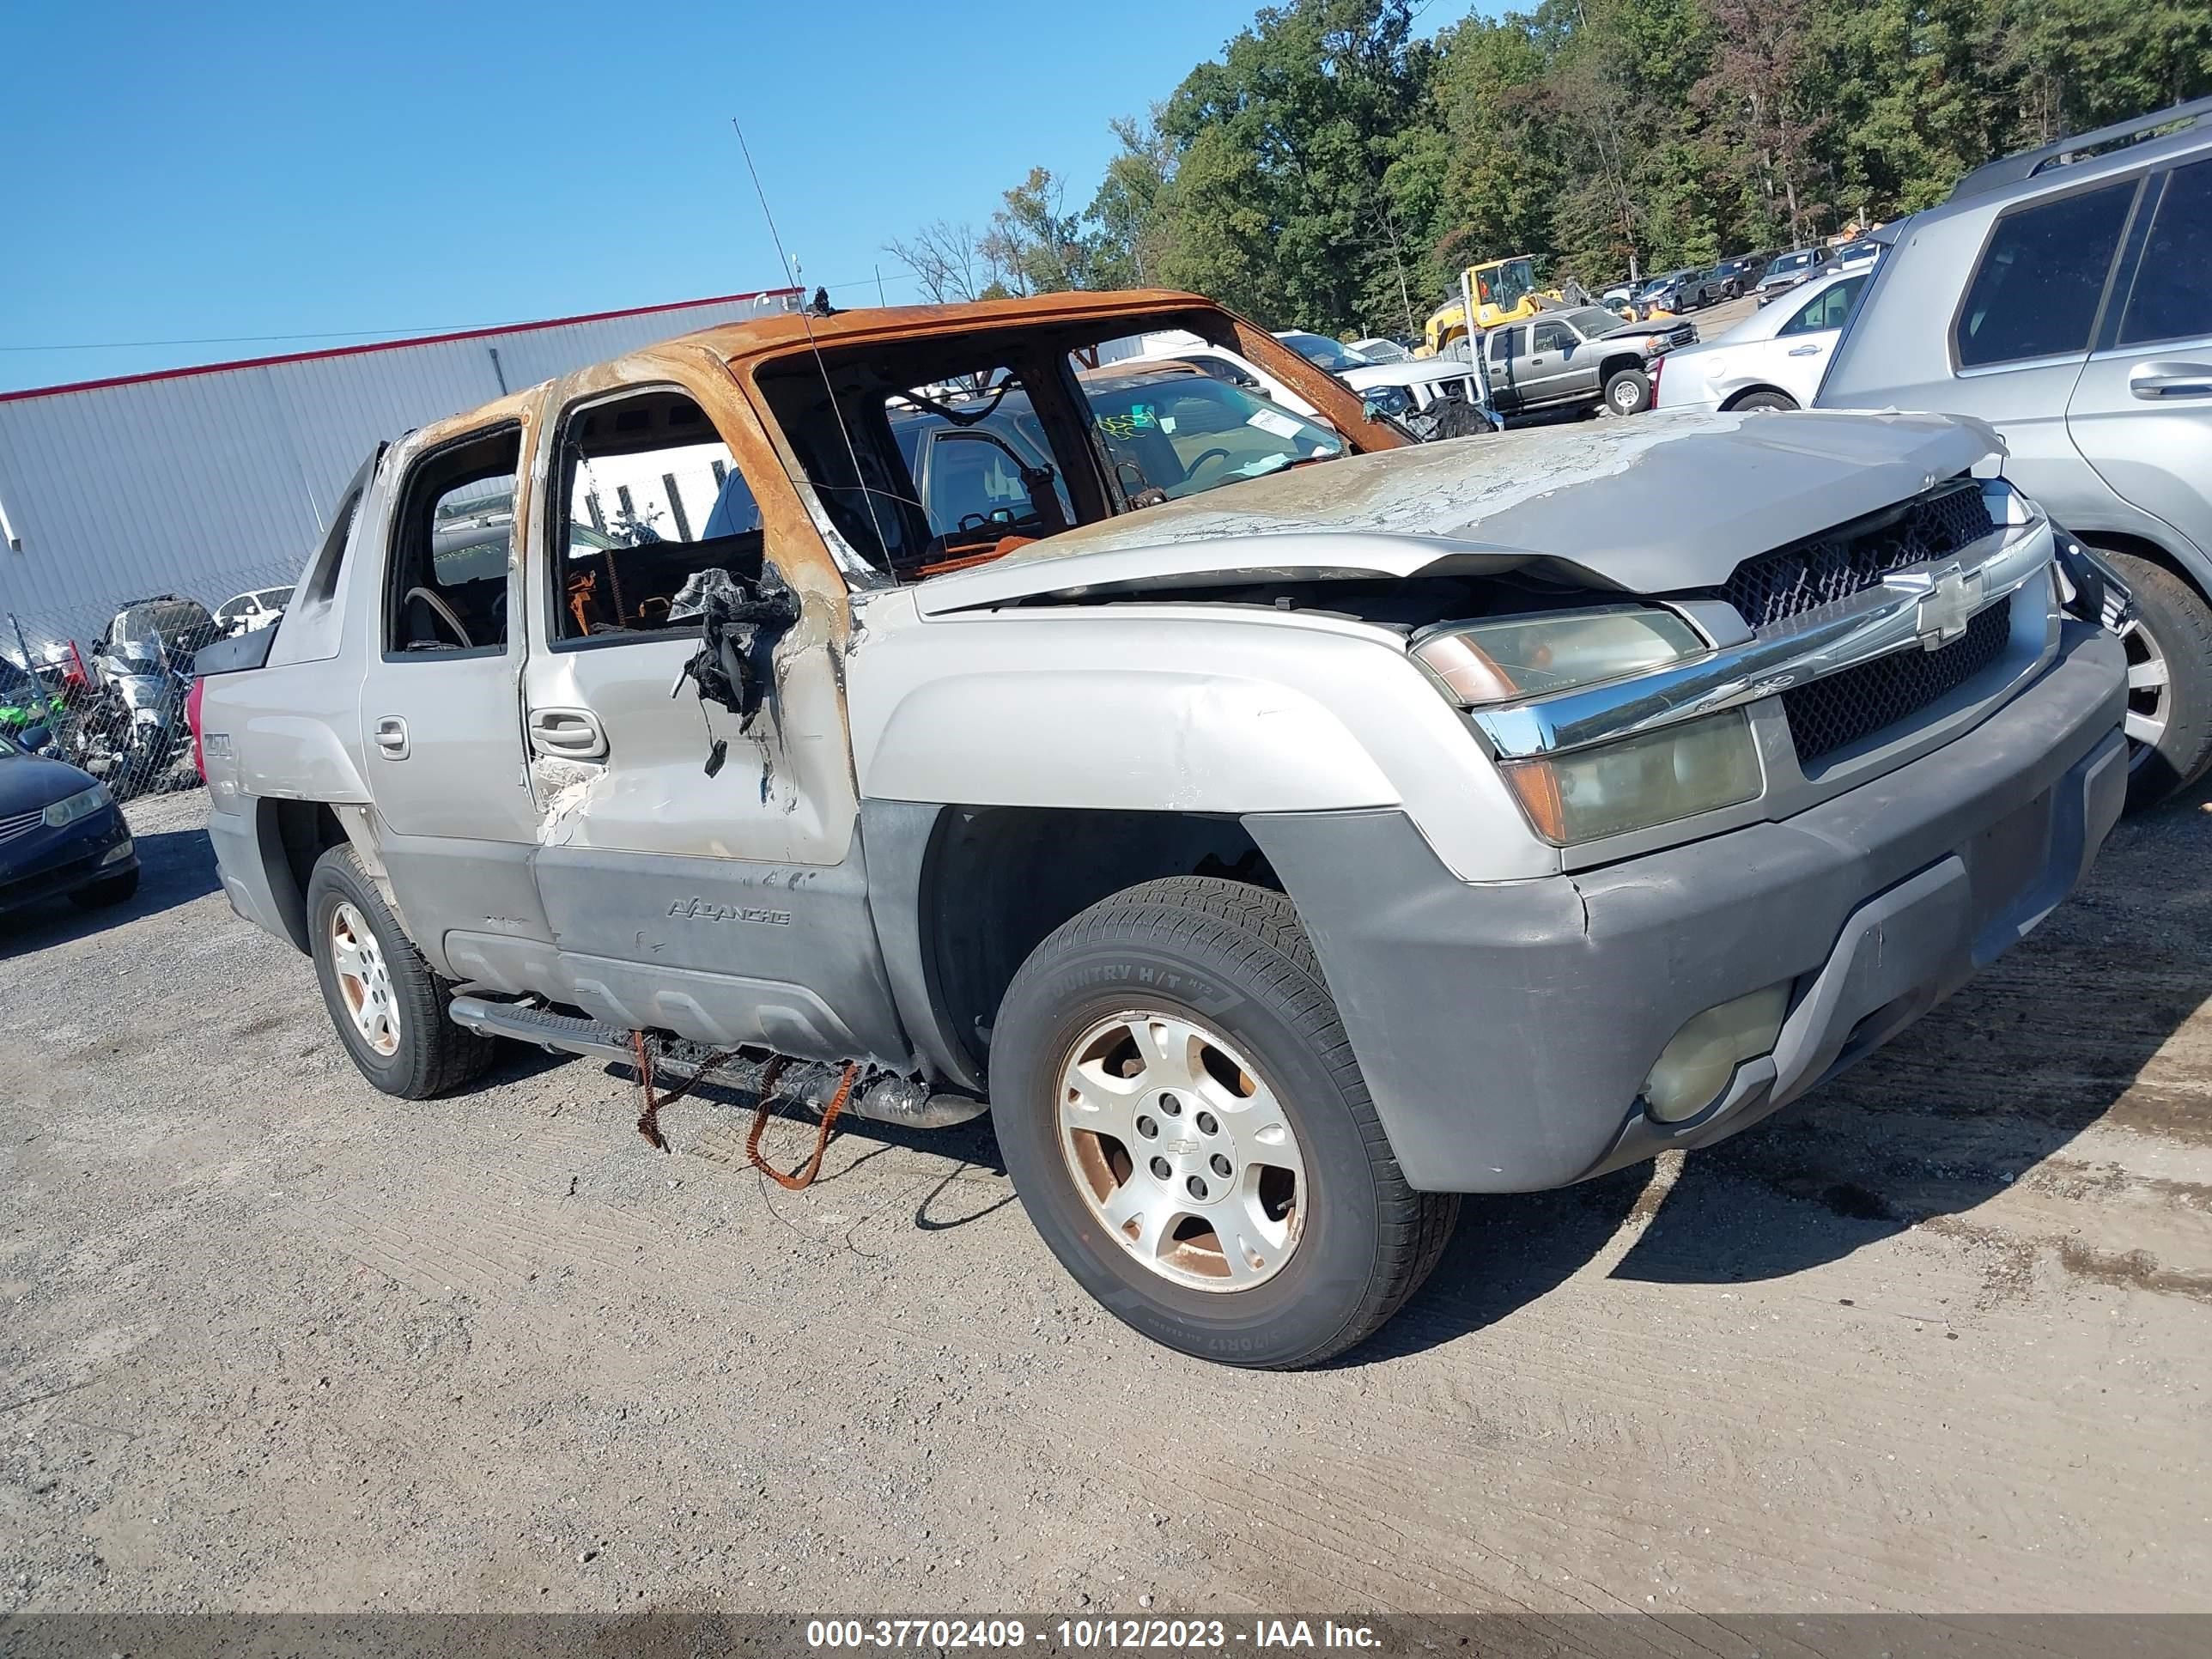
point(175, 866)
point(2052, 1039)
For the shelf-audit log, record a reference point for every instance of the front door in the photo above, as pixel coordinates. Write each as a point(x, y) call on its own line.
point(702, 875)
point(1547, 374)
point(440, 723)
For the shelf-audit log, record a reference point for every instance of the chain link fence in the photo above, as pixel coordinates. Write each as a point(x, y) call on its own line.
point(103, 684)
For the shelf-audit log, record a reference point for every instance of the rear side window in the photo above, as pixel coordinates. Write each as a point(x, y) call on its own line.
point(2037, 290)
point(451, 544)
point(1826, 309)
point(2173, 296)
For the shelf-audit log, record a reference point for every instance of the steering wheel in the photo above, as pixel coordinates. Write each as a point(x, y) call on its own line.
point(443, 612)
point(1191, 472)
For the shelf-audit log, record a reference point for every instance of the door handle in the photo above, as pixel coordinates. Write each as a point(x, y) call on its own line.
point(569, 734)
point(391, 736)
point(2171, 379)
point(1802, 352)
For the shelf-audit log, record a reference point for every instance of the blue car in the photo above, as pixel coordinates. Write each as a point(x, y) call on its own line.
point(61, 834)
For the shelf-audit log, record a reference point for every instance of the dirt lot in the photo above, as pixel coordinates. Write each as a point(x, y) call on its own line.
point(1937, 1339)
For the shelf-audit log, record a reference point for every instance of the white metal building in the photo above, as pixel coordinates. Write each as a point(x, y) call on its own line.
point(206, 482)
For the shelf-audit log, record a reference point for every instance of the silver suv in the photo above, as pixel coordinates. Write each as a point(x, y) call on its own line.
point(2064, 295)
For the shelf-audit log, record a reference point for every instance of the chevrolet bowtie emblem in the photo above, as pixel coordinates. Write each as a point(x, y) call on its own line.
point(1952, 596)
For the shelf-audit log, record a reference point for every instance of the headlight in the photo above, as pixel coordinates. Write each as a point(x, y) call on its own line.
point(82, 804)
point(1677, 772)
point(1517, 657)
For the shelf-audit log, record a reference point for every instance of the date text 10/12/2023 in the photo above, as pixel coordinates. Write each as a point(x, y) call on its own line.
point(1100, 1634)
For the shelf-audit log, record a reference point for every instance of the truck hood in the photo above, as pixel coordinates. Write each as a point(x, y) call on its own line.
point(1414, 371)
point(1654, 504)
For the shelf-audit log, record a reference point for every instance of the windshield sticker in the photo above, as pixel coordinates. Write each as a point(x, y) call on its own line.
point(1268, 420)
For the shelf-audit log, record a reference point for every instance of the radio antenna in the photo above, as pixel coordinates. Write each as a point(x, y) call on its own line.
point(806, 322)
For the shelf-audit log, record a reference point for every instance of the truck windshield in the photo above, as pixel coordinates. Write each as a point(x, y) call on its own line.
point(1178, 434)
point(1324, 353)
point(1589, 321)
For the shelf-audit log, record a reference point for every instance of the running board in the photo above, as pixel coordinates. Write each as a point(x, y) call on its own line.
point(888, 1099)
point(554, 1033)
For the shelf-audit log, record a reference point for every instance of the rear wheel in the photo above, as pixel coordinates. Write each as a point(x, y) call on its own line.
point(1183, 1118)
point(1628, 392)
point(1765, 400)
point(388, 1005)
point(2169, 652)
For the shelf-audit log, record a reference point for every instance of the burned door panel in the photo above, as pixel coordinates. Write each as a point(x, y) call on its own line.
point(698, 865)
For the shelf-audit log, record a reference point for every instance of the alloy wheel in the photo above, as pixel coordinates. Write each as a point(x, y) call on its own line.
point(1182, 1151)
point(2150, 691)
point(364, 980)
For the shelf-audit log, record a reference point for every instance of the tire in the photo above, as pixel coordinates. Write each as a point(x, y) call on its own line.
point(402, 1041)
point(2169, 723)
point(1765, 400)
point(1628, 392)
point(109, 890)
point(1221, 970)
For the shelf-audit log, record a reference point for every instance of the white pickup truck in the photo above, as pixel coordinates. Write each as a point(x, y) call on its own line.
point(1287, 830)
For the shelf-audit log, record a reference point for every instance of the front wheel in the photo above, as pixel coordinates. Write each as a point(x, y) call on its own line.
point(2169, 652)
point(1184, 1120)
point(1628, 392)
point(1765, 400)
point(388, 1005)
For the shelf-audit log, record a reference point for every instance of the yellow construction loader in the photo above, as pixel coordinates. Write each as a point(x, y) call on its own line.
point(1502, 291)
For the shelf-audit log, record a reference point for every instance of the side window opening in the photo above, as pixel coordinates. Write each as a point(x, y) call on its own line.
point(2038, 289)
point(452, 545)
point(980, 466)
point(1554, 336)
point(653, 498)
point(930, 455)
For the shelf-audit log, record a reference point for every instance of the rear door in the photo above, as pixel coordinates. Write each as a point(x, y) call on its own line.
point(440, 725)
point(2141, 411)
point(1507, 348)
point(702, 874)
point(1803, 344)
point(2022, 331)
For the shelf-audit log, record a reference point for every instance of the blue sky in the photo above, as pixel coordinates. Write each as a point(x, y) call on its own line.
point(174, 173)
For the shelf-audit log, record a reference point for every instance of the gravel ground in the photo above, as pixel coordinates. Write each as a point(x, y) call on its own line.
point(1936, 1338)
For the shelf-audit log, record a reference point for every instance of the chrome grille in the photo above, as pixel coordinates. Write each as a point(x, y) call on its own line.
point(1837, 564)
point(1827, 715)
point(21, 824)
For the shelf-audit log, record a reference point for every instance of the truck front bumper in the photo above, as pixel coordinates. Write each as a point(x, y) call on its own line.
point(1505, 1029)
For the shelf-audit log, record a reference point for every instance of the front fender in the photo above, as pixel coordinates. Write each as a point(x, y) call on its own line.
point(1197, 708)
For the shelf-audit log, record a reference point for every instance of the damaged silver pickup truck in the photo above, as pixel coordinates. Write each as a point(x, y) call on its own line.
point(1287, 828)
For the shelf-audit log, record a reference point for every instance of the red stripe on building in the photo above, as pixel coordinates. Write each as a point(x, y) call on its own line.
point(387, 345)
